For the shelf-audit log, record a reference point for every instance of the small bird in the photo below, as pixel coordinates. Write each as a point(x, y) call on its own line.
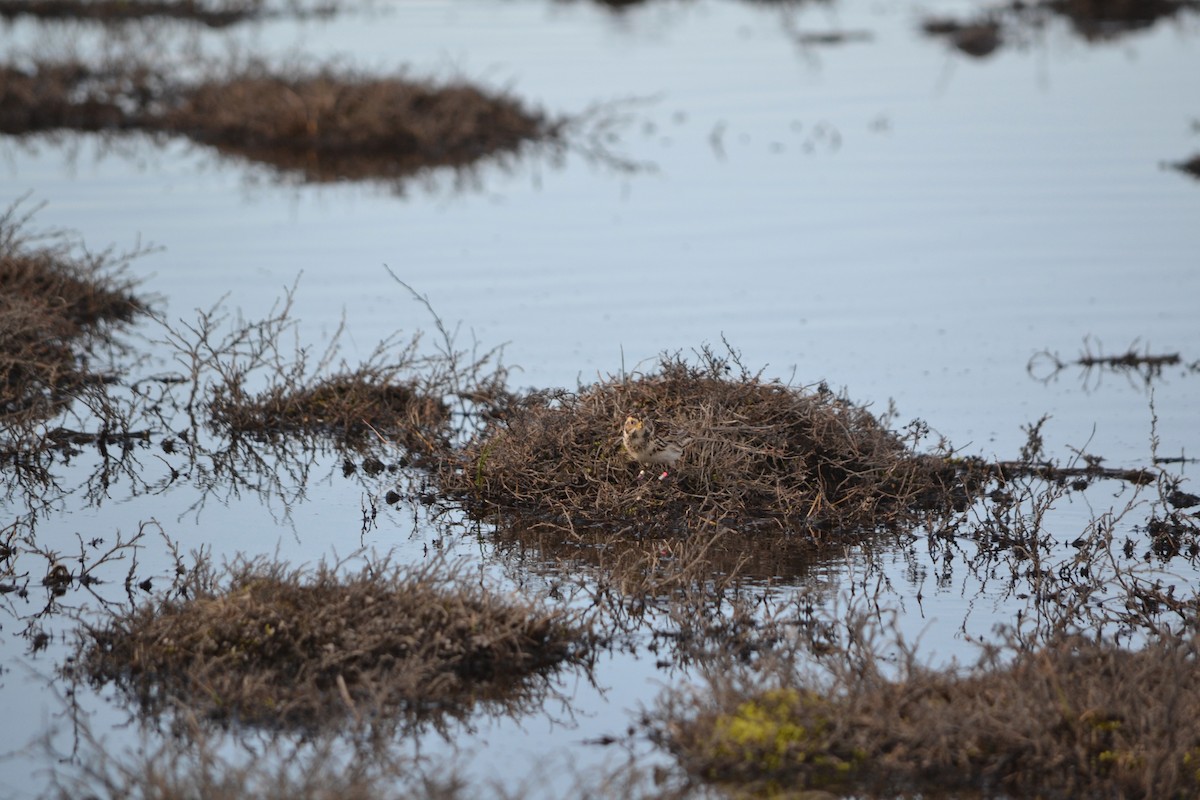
point(648, 448)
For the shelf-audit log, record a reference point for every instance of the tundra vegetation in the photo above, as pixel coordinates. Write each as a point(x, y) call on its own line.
point(710, 568)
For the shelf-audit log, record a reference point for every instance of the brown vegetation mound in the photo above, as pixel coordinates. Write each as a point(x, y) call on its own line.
point(347, 406)
point(1106, 19)
point(1189, 166)
point(760, 453)
point(270, 646)
point(332, 125)
point(53, 300)
point(324, 124)
point(214, 14)
point(1075, 718)
point(58, 96)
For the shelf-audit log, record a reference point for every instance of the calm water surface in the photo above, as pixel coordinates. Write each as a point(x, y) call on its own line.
point(885, 215)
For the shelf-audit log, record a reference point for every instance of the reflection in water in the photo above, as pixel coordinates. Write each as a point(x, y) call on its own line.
point(1141, 369)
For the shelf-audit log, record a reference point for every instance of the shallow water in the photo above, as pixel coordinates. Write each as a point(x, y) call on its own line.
point(888, 216)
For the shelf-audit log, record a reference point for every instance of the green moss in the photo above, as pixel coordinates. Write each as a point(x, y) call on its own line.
point(780, 732)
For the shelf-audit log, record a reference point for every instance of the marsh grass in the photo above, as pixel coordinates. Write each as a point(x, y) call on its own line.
point(1074, 717)
point(322, 123)
point(1100, 20)
point(348, 406)
point(1087, 693)
point(219, 14)
point(59, 305)
point(387, 648)
point(1189, 166)
point(765, 456)
point(336, 125)
point(1022, 24)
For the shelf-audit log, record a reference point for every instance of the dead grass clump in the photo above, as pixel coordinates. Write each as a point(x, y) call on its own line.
point(1075, 718)
point(54, 303)
point(332, 125)
point(270, 646)
point(1106, 19)
point(763, 453)
point(324, 124)
point(1190, 166)
point(348, 406)
point(977, 38)
point(73, 96)
point(214, 14)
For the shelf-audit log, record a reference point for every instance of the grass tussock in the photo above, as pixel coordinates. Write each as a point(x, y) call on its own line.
point(1189, 166)
point(55, 304)
point(348, 407)
point(1106, 19)
point(218, 14)
point(249, 386)
point(762, 454)
point(333, 124)
point(322, 123)
point(269, 646)
point(1073, 718)
point(63, 96)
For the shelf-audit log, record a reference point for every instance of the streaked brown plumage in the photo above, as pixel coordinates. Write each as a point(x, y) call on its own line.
point(649, 448)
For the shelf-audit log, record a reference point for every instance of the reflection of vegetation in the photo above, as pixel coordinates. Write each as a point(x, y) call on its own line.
point(1145, 366)
point(270, 646)
point(201, 764)
point(39, 584)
